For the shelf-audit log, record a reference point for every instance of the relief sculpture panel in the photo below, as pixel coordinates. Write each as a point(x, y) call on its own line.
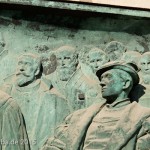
point(75, 82)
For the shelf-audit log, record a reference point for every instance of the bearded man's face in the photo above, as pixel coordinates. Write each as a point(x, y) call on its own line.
point(66, 64)
point(25, 71)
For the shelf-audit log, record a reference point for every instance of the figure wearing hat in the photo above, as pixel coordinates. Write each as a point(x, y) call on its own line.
point(117, 124)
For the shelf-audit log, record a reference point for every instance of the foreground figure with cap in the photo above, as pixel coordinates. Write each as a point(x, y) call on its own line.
point(118, 124)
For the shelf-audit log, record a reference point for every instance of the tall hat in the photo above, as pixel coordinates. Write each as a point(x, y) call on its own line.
point(130, 68)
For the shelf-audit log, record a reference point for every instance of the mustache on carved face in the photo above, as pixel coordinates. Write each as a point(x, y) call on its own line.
point(22, 73)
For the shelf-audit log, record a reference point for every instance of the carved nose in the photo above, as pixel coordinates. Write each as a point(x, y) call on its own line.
point(62, 63)
point(21, 69)
point(102, 84)
point(96, 66)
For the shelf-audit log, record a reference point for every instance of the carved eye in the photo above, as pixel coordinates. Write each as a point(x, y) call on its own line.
point(20, 62)
point(99, 59)
point(108, 76)
point(67, 58)
point(142, 63)
point(2, 44)
point(28, 64)
point(91, 61)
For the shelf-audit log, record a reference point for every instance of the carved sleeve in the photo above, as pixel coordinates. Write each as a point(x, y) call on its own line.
point(58, 141)
point(143, 142)
point(14, 134)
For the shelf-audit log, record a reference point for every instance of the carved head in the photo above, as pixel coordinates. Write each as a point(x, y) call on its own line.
point(28, 69)
point(145, 63)
point(145, 67)
point(96, 58)
point(115, 50)
point(131, 56)
point(67, 61)
point(117, 80)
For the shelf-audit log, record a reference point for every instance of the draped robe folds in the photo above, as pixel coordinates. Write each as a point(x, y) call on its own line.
point(78, 84)
point(132, 131)
point(13, 134)
point(42, 110)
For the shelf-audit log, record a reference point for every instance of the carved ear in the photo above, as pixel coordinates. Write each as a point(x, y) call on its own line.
point(127, 83)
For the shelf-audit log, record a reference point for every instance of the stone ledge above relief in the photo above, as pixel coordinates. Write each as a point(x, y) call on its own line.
point(138, 9)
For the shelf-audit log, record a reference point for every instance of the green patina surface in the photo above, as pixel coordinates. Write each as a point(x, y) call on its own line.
point(29, 30)
point(72, 42)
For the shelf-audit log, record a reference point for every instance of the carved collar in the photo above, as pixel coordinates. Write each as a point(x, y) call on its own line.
point(31, 87)
point(119, 104)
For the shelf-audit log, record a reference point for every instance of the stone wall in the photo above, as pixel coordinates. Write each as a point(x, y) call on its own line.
point(26, 30)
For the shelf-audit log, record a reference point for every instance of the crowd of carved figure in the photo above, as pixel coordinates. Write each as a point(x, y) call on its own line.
point(93, 100)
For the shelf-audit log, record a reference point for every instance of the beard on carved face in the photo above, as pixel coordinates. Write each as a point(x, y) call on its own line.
point(65, 72)
point(23, 79)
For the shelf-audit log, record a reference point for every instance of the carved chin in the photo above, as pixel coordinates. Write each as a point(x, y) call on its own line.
point(65, 74)
point(23, 80)
point(105, 94)
point(146, 79)
point(64, 77)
